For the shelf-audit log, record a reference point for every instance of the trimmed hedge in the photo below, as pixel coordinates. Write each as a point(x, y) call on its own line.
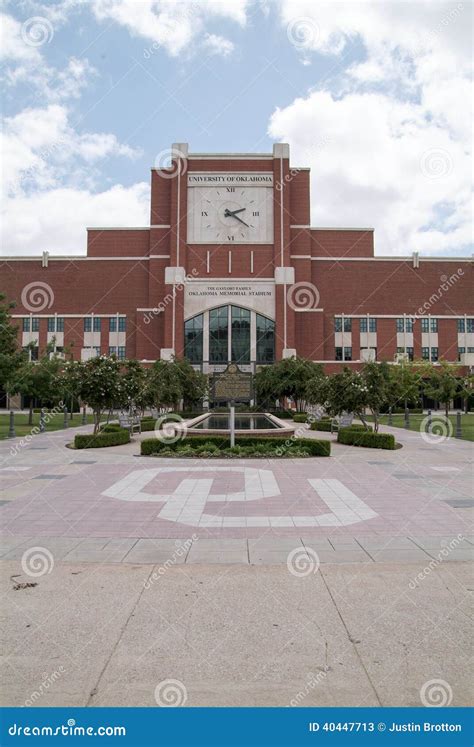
point(218, 443)
point(300, 417)
point(368, 439)
point(113, 438)
point(110, 428)
point(321, 425)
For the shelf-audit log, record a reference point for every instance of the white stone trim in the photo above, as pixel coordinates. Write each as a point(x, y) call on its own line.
point(284, 275)
point(117, 228)
point(330, 228)
point(380, 259)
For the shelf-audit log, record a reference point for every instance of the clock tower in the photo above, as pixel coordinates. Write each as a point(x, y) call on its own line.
point(229, 269)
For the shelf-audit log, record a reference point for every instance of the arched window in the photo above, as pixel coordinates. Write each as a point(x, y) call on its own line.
point(240, 346)
point(218, 334)
point(265, 339)
point(193, 339)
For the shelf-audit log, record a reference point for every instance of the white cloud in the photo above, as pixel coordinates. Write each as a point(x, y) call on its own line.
point(218, 45)
point(172, 25)
point(21, 50)
point(50, 179)
point(387, 137)
point(41, 149)
point(56, 220)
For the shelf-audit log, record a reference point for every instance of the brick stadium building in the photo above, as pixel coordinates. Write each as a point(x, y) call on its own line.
point(230, 269)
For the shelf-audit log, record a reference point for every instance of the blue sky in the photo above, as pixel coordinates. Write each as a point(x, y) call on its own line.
point(367, 95)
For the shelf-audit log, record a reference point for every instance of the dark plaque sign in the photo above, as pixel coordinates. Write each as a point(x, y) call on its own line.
point(232, 384)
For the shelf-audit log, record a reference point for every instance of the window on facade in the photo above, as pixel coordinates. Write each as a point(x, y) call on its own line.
point(461, 351)
point(425, 354)
point(96, 325)
point(59, 327)
point(429, 325)
point(338, 326)
point(26, 324)
point(408, 351)
point(193, 339)
point(470, 325)
point(461, 325)
point(405, 325)
point(121, 324)
point(34, 354)
point(370, 327)
point(240, 341)
point(218, 335)
point(434, 354)
point(87, 324)
point(35, 325)
point(347, 354)
point(265, 339)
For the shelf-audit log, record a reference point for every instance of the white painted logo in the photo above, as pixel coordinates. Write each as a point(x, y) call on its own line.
point(187, 503)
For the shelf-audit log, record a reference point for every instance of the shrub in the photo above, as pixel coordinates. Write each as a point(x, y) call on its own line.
point(147, 424)
point(245, 446)
point(321, 425)
point(110, 428)
point(300, 417)
point(283, 414)
point(114, 438)
point(355, 437)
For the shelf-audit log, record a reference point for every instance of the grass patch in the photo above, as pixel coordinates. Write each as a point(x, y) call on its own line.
point(53, 423)
point(467, 423)
point(245, 446)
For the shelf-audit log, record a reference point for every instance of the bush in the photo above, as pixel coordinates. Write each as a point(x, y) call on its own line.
point(283, 414)
point(114, 438)
point(355, 437)
point(300, 417)
point(110, 428)
point(321, 425)
point(216, 446)
point(147, 424)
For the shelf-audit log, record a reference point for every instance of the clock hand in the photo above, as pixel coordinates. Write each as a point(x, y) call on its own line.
point(228, 213)
point(240, 221)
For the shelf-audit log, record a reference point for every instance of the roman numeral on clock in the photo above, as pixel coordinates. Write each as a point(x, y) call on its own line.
point(230, 189)
point(204, 214)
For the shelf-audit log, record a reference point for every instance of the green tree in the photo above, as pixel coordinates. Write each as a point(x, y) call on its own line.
point(287, 378)
point(38, 380)
point(11, 355)
point(101, 386)
point(194, 384)
point(376, 380)
point(404, 384)
point(442, 382)
point(69, 381)
point(165, 385)
point(346, 392)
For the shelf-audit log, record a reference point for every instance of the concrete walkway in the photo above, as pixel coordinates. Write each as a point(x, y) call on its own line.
point(343, 635)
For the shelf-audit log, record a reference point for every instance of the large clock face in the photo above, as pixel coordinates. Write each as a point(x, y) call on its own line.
point(237, 214)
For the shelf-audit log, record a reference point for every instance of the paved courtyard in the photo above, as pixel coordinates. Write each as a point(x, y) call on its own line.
point(112, 505)
point(140, 581)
